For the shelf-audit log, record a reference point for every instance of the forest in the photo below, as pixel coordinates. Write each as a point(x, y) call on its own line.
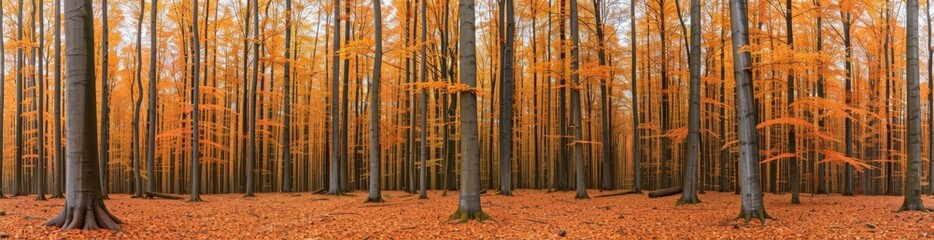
point(534, 119)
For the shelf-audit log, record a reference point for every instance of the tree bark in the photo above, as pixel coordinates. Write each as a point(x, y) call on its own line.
point(576, 123)
point(58, 187)
point(195, 110)
point(287, 103)
point(138, 183)
point(913, 200)
point(151, 133)
point(469, 200)
point(506, 98)
point(847, 66)
point(84, 208)
point(375, 167)
point(40, 116)
point(18, 152)
point(752, 205)
point(333, 183)
point(105, 102)
point(423, 71)
point(689, 195)
point(636, 146)
point(792, 143)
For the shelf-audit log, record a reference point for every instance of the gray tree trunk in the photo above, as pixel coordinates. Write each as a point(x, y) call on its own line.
point(469, 201)
point(58, 187)
point(105, 102)
point(3, 107)
point(138, 180)
point(195, 100)
point(931, 102)
point(752, 205)
point(848, 68)
point(287, 102)
point(506, 98)
point(375, 171)
point(84, 208)
point(689, 195)
point(913, 200)
point(251, 139)
point(334, 181)
point(576, 106)
point(607, 179)
point(151, 133)
point(40, 117)
point(636, 146)
point(423, 71)
point(792, 144)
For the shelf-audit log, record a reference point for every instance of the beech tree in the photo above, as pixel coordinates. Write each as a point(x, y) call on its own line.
point(84, 208)
point(913, 200)
point(375, 163)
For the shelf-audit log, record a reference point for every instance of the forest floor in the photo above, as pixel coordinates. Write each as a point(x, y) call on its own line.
point(530, 214)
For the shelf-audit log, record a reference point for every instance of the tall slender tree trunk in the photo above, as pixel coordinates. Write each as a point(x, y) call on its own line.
point(84, 208)
point(469, 200)
point(251, 138)
point(3, 106)
point(151, 132)
point(752, 206)
point(58, 187)
point(927, 12)
point(18, 152)
point(913, 200)
point(633, 78)
point(847, 66)
point(576, 123)
point(138, 180)
point(40, 116)
point(105, 102)
point(375, 167)
point(334, 181)
point(607, 179)
point(689, 194)
point(821, 185)
point(792, 143)
point(423, 71)
point(195, 111)
point(287, 103)
point(506, 96)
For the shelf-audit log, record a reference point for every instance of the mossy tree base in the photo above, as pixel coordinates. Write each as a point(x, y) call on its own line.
point(749, 215)
point(462, 216)
point(86, 218)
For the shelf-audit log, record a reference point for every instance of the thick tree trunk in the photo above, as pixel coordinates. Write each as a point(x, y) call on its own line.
point(469, 204)
point(913, 200)
point(752, 205)
point(689, 195)
point(576, 123)
point(84, 208)
point(375, 170)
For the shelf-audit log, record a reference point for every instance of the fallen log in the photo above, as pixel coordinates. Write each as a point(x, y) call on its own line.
point(665, 192)
point(322, 191)
point(614, 194)
point(160, 195)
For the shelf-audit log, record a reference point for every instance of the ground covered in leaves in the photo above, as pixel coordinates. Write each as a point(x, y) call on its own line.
point(530, 214)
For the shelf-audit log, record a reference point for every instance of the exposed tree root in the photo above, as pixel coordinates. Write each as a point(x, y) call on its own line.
point(462, 216)
point(748, 215)
point(95, 216)
point(913, 207)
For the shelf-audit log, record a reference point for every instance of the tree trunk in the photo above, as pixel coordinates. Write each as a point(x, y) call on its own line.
point(792, 148)
point(105, 102)
point(195, 110)
point(58, 188)
point(84, 208)
point(689, 195)
point(752, 205)
point(636, 146)
point(930, 101)
point(821, 186)
point(18, 152)
point(40, 116)
point(375, 170)
point(576, 123)
point(469, 204)
point(506, 98)
point(287, 102)
point(913, 200)
point(137, 183)
point(333, 183)
point(847, 66)
point(3, 107)
point(251, 139)
point(423, 71)
point(607, 179)
point(151, 133)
